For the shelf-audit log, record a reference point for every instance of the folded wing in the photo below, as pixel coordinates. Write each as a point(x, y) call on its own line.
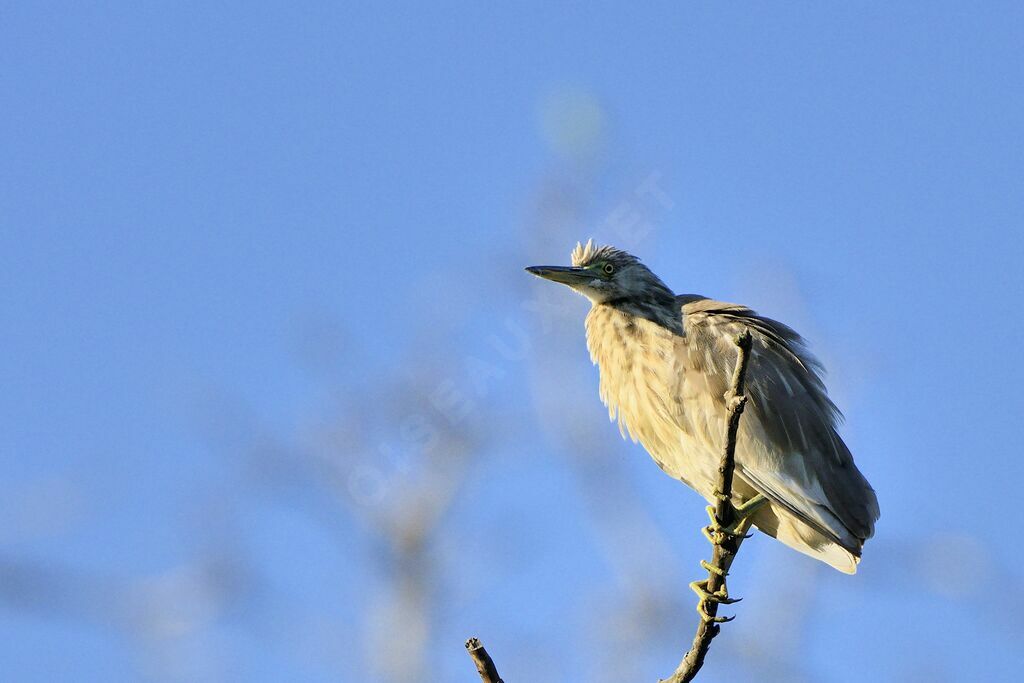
point(789, 449)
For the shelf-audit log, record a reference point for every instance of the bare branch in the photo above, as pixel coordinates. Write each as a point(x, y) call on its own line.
point(726, 544)
point(484, 664)
point(727, 534)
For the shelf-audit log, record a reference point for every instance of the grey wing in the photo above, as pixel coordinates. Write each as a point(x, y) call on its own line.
point(790, 451)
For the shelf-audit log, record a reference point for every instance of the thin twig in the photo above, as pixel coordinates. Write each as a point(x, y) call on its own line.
point(484, 664)
point(726, 545)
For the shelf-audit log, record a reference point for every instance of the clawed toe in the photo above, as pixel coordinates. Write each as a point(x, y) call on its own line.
point(716, 532)
point(721, 597)
point(712, 568)
point(725, 538)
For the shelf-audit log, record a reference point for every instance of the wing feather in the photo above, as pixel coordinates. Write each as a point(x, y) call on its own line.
point(789, 448)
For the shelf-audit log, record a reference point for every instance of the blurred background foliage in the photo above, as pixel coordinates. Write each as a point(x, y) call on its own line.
point(280, 404)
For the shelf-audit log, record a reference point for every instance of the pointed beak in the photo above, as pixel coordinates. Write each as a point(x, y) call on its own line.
point(566, 275)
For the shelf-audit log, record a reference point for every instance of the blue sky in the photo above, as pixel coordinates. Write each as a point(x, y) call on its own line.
point(228, 230)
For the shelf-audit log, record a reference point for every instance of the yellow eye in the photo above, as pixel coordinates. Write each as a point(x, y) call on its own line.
point(608, 269)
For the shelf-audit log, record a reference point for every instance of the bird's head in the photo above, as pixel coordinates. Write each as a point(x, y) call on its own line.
point(605, 274)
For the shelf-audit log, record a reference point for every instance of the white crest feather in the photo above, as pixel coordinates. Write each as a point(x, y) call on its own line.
point(584, 254)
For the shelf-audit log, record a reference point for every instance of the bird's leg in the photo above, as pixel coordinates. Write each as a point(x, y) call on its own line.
point(716, 532)
point(721, 597)
point(719, 534)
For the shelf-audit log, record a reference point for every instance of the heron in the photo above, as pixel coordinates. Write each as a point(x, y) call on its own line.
point(665, 363)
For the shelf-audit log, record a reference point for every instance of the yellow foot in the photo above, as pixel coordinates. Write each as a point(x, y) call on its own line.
point(716, 532)
point(720, 597)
